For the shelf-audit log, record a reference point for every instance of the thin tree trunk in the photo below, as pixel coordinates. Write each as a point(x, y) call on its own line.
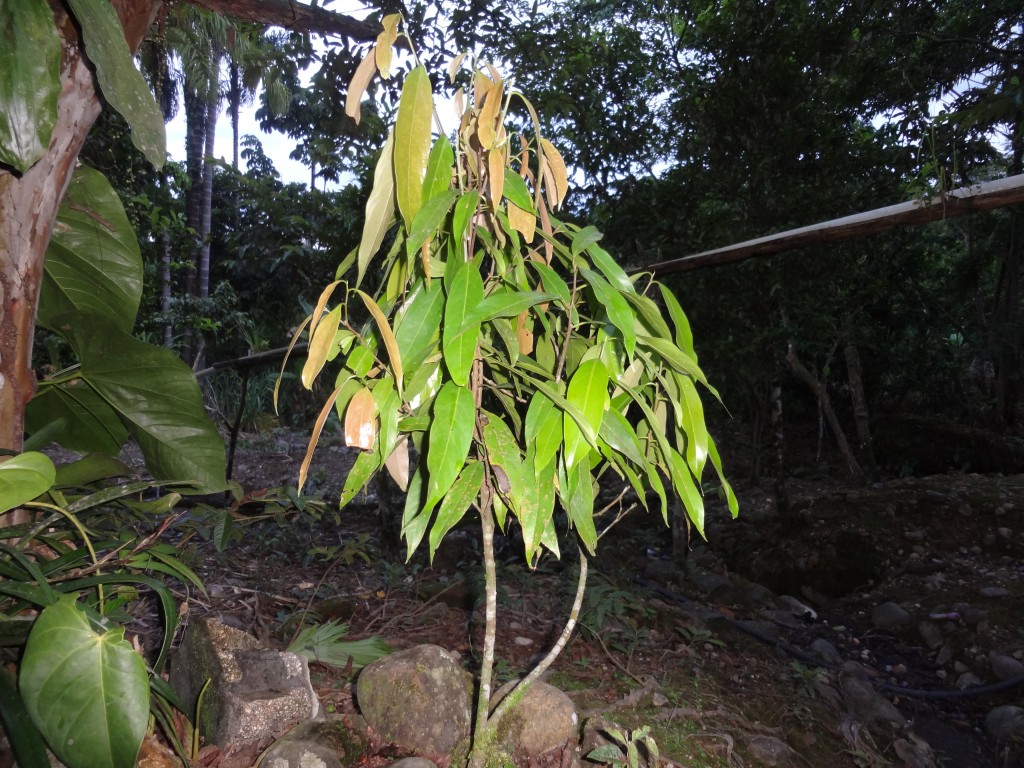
point(203, 271)
point(165, 289)
point(195, 144)
point(782, 504)
point(235, 100)
point(821, 393)
point(861, 416)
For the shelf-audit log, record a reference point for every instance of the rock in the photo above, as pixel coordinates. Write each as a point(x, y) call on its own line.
point(419, 698)
point(1005, 667)
point(661, 571)
point(968, 680)
point(770, 751)
point(319, 744)
point(827, 652)
point(868, 705)
point(889, 616)
point(712, 585)
point(413, 762)
point(994, 592)
point(545, 718)
point(254, 694)
point(1005, 724)
point(914, 753)
point(931, 634)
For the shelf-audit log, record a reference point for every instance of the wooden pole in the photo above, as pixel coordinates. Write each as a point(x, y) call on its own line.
point(959, 202)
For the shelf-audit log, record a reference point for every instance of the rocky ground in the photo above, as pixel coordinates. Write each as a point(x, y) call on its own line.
point(876, 624)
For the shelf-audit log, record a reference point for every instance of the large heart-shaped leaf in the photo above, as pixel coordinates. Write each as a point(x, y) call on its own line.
point(31, 82)
point(121, 83)
point(84, 421)
point(23, 477)
point(87, 692)
point(93, 262)
point(156, 396)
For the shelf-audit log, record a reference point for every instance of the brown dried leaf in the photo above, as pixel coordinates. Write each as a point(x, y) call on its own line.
point(557, 166)
point(361, 421)
point(524, 333)
point(398, 464)
point(357, 87)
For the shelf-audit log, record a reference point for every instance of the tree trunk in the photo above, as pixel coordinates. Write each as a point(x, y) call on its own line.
point(821, 393)
point(861, 416)
point(166, 289)
point(234, 104)
point(28, 210)
point(782, 505)
point(195, 145)
point(206, 216)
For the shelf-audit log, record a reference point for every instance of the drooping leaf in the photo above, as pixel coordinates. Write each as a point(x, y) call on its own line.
point(155, 395)
point(358, 84)
point(380, 208)
point(412, 142)
point(429, 219)
point(93, 263)
point(676, 358)
point(121, 84)
point(361, 421)
point(464, 210)
point(579, 504)
point(553, 282)
point(692, 412)
point(686, 489)
point(90, 469)
point(610, 269)
point(457, 501)
point(397, 464)
point(716, 462)
point(618, 433)
point(543, 427)
point(460, 339)
point(87, 692)
point(684, 336)
point(387, 335)
point(366, 463)
point(438, 175)
point(385, 40)
point(320, 346)
point(23, 477)
point(415, 518)
point(522, 221)
point(451, 434)
point(588, 391)
point(517, 191)
point(559, 175)
point(584, 238)
point(419, 323)
point(618, 310)
point(31, 84)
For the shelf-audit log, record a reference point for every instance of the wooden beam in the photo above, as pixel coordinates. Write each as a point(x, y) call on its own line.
point(294, 16)
point(959, 202)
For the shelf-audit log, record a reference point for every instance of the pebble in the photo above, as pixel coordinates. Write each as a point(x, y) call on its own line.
point(523, 641)
point(827, 652)
point(994, 592)
point(931, 634)
point(968, 680)
point(1005, 667)
point(1005, 724)
point(889, 616)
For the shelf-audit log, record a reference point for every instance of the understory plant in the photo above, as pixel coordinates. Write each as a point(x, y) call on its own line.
point(505, 346)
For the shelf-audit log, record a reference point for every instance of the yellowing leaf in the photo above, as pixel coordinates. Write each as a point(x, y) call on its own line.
point(523, 222)
point(558, 171)
point(524, 333)
point(380, 208)
point(384, 328)
point(314, 438)
point(357, 86)
point(412, 142)
point(361, 421)
point(490, 116)
point(453, 67)
point(385, 41)
point(496, 174)
point(320, 346)
point(321, 306)
point(398, 464)
point(482, 85)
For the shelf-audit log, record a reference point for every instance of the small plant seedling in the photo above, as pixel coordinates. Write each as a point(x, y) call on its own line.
point(629, 749)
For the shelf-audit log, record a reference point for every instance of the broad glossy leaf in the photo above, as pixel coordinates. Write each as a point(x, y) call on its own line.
point(517, 191)
point(692, 412)
point(31, 81)
point(121, 84)
point(464, 210)
point(457, 501)
point(676, 358)
point(464, 297)
point(412, 142)
point(419, 324)
point(451, 435)
point(439, 169)
point(87, 692)
point(610, 269)
point(503, 453)
point(93, 262)
point(615, 306)
point(687, 490)
point(588, 391)
point(506, 304)
point(716, 462)
point(415, 518)
point(618, 433)
point(91, 468)
point(361, 421)
point(544, 428)
point(366, 463)
point(650, 314)
point(386, 334)
point(429, 219)
point(320, 346)
point(156, 396)
point(552, 282)
point(423, 385)
point(84, 421)
point(23, 477)
point(584, 238)
point(380, 208)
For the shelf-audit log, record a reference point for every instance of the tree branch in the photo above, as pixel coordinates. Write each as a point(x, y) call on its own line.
point(293, 16)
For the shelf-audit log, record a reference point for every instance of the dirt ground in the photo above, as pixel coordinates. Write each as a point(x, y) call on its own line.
point(699, 649)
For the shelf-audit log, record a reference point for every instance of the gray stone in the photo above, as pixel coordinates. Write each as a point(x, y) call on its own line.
point(867, 704)
point(994, 592)
point(419, 698)
point(714, 586)
point(319, 744)
point(413, 762)
point(770, 751)
point(968, 680)
point(255, 693)
point(1005, 667)
point(545, 718)
point(1005, 724)
point(827, 652)
point(931, 633)
point(889, 616)
point(661, 571)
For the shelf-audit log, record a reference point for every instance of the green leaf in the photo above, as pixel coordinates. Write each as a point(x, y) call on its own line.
point(451, 435)
point(464, 210)
point(418, 324)
point(121, 84)
point(503, 453)
point(716, 462)
point(650, 314)
point(684, 336)
point(686, 489)
point(464, 296)
point(588, 391)
point(93, 262)
point(25, 740)
point(412, 142)
point(692, 412)
point(156, 396)
point(89, 469)
point(609, 268)
point(76, 417)
point(415, 517)
point(543, 427)
point(583, 239)
point(87, 692)
point(618, 433)
point(23, 477)
point(553, 282)
point(676, 358)
point(30, 84)
point(515, 189)
point(439, 169)
point(506, 304)
point(380, 208)
point(579, 504)
point(615, 306)
point(453, 508)
point(429, 220)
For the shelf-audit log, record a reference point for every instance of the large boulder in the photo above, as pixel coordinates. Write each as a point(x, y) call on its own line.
point(420, 699)
point(543, 719)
